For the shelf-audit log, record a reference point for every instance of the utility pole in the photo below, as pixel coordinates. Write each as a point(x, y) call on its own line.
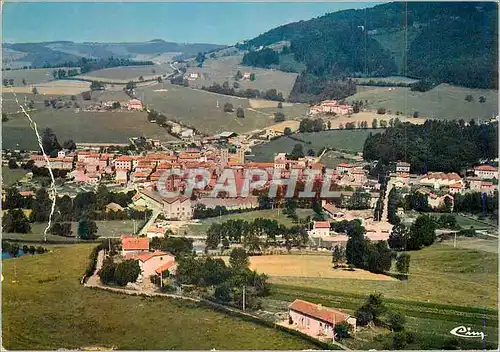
point(244, 289)
point(455, 241)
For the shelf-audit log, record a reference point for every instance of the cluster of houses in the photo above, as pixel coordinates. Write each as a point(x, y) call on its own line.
point(330, 107)
point(442, 186)
point(131, 105)
point(150, 262)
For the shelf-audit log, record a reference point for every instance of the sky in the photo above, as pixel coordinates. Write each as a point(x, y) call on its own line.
point(202, 22)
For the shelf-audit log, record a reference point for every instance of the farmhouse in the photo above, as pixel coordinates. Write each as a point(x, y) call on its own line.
point(131, 244)
point(320, 229)
point(330, 106)
point(486, 172)
point(247, 75)
point(316, 320)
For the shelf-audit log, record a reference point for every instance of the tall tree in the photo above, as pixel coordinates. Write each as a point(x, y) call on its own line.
point(49, 141)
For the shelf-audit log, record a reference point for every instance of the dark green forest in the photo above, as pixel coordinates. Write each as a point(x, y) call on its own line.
point(448, 146)
point(454, 43)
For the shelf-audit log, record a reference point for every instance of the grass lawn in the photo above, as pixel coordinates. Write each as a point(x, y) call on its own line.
point(443, 102)
point(438, 274)
point(467, 222)
point(127, 73)
point(11, 176)
point(487, 244)
point(297, 265)
point(37, 75)
point(111, 127)
point(352, 140)
point(111, 228)
point(47, 308)
point(224, 69)
point(201, 228)
point(447, 288)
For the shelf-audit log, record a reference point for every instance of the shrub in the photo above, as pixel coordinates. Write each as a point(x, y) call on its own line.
point(342, 330)
point(397, 321)
point(381, 111)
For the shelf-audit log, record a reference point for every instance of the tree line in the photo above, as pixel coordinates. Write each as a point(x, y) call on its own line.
point(360, 252)
point(256, 235)
point(270, 94)
point(13, 249)
point(447, 146)
point(87, 65)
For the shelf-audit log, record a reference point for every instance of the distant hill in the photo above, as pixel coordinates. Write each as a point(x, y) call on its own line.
point(53, 53)
point(454, 43)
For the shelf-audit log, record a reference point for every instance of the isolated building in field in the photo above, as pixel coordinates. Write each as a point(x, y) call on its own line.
point(316, 320)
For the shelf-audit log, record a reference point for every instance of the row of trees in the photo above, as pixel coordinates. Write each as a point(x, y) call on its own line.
point(361, 253)
point(62, 73)
point(85, 204)
point(421, 233)
point(13, 249)
point(226, 89)
point(87, 65)
point(255, 235)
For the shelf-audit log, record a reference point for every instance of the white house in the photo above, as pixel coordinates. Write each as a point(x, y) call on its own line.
point(320, 229)
point(486, 172)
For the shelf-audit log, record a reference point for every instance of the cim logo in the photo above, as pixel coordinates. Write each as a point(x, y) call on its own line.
point(462, 331)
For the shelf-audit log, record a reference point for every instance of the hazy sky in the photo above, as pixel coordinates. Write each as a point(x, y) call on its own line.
point(218, 23)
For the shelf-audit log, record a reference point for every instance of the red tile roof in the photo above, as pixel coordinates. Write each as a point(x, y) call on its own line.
point(135, 243)
point(326, 314)
point(165, 266)
point(321, 224)
point(486, 168)
point(146, 256)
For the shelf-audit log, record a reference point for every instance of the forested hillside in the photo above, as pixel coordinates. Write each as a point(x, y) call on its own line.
point(446, 42)
point(436, 145)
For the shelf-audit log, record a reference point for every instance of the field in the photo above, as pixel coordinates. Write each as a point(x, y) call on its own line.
point(351, 140)
point(199, 109)
point(47, 308)
point(438, 274)
point(463, 221)
point(332, 158)
point(311, 266)
point(488, 244)
point(447, 288)
point(443, 102)
point(225, 68)
point(111, 127)
point(34, 76)
point(128, 73)
point(10, 176)
point(60, 87)
point(203, 225)
point(111, 228)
